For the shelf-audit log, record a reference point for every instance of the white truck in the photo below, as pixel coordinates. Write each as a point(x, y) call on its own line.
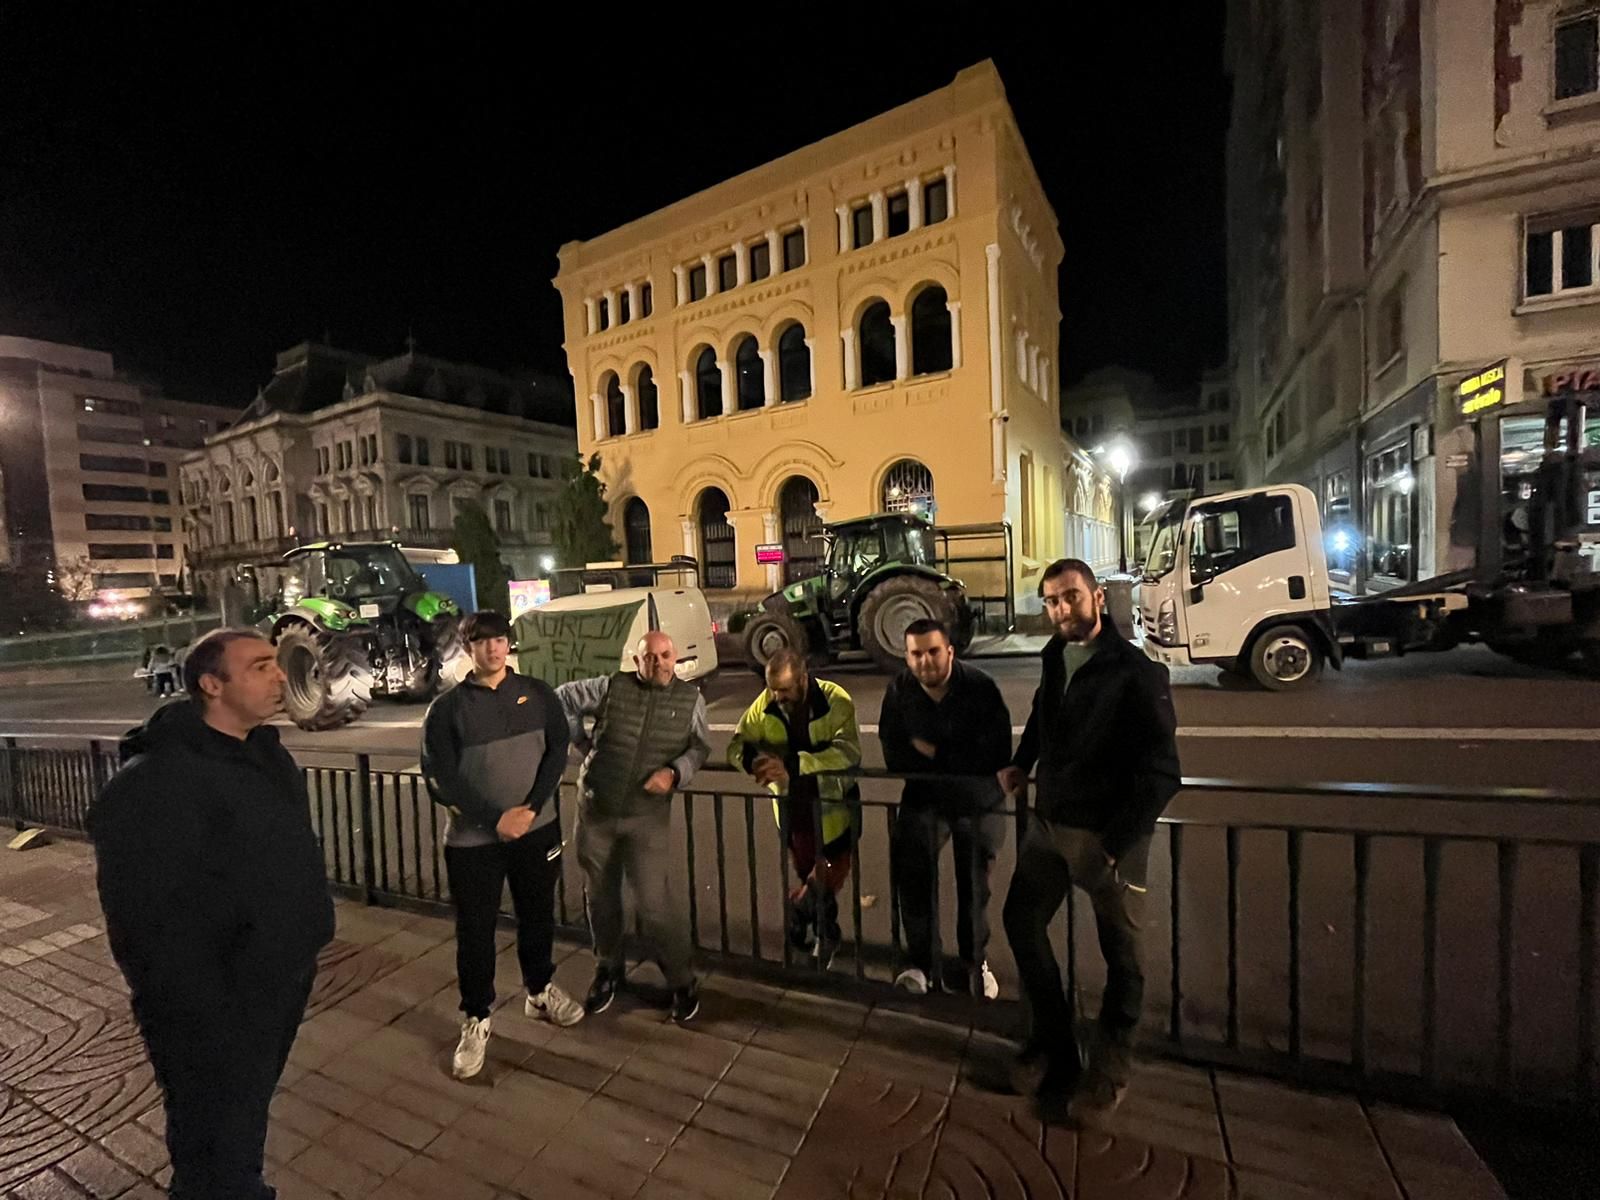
point(1240, 580)
point(669, 599)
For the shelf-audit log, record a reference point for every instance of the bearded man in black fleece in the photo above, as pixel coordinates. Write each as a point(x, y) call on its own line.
point(1102, 733)
point(216, 904)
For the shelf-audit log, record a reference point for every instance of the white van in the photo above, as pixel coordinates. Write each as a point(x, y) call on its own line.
point(673, 603)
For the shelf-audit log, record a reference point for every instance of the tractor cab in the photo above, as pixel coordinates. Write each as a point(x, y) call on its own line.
point(372, 577)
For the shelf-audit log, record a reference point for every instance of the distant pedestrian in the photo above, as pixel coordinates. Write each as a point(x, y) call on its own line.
point(163, 670)
point(792, 739)
point(216, 905)
point(650, 737)
point(493, 751)
point(942, 717)
point(1102, 735)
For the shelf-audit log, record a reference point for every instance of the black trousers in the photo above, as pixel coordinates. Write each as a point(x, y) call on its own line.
point(1051, 860)
point(478, 876)
point(217, 1069)
point(920, 834)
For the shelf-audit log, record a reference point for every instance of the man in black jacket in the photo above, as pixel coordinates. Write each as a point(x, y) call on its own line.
point(216, 905)
point(942, 717)
point(493, 750)
point(1102, 734)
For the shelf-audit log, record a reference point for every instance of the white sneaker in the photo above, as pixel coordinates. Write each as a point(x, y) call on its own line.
point(472, 1047)
point(912, 980)
point(991, 985)
point(554, 1005)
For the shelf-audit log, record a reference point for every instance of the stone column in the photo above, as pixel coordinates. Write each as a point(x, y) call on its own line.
point(954, 306)
point(769, 376)
point(730, 391)
point(611, 305)
point(914, 199)
point(598, 406)
point(773, 533)
point(774, 253)
point(630, 410)
point(902, 347)
point(689, 539)
point(686, 395)
point(811, 366)
point(844, 227)
point(1033, 367)
point(591, 320)
point(1022, 355)
point(741, 265)
point(880, 217)
point(632, 291)
point(950, 188)
point(711, 274)
point(852, 369)
point(680, 285)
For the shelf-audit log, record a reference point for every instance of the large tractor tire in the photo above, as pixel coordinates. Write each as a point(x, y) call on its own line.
point(450, 652)
point(1284, 658)
point(766, 633)
point(891, 607)
point(329, 681)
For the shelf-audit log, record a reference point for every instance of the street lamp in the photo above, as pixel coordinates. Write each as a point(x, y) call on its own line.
point(1149, 502)
point(1121, 456)
point(547, 563)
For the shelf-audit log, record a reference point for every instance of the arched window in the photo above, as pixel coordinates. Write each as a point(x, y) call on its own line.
point(930, 332)
point(747, 371)
point(794, 364)
point(717, 553)
point(877, 345)
point(649, 401)
point(616, 407)
point(802, 529)
point(636, 529)
point(707, 385)
point(908, 488)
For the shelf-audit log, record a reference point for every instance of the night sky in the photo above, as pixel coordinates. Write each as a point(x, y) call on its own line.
point(195, 190)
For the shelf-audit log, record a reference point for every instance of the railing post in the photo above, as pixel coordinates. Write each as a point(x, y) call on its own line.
point(364, 816)
point(13, 777)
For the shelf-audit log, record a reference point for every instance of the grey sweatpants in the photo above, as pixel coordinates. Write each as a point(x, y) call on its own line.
point(640, 849)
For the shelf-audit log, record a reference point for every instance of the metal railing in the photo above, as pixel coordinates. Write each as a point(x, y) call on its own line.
point(1413, 941)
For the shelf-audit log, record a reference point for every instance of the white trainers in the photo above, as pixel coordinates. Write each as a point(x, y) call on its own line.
point(472, 1047)
point(912, 980)
point(991, 985)
point(554, 1005)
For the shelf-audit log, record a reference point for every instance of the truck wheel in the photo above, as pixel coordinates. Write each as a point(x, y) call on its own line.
point(450, 652)
point(892, 606)
point(329, 681)
point(1285, 657)
point(767, 633)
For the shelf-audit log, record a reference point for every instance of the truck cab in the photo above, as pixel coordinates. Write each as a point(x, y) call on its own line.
point(1240, 580)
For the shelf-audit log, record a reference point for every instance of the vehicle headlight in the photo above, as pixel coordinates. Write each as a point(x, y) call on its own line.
point(1167, 623)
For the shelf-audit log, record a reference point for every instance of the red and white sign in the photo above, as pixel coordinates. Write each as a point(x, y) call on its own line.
point(769, 553)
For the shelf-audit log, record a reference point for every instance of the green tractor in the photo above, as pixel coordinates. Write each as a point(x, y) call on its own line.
point(879, 574)
point(354, 620)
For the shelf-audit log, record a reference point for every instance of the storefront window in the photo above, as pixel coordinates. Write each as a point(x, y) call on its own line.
point(1390, 483)
point(1341, 538)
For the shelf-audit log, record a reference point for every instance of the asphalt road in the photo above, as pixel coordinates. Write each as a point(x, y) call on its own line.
point(1465, 718)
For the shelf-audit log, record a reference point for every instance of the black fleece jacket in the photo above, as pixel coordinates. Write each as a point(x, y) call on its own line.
point(1105, 744)
point(209, 873)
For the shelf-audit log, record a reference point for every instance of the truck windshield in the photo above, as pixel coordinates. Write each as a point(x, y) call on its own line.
point(1164, 540)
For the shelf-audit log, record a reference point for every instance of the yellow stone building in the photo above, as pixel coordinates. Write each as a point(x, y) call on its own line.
point(869, 323)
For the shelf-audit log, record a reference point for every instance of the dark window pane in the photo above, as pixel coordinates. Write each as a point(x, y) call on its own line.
point(794, 365)
point(794, 249)
point(760, 261)
point(403, 447)
point(159, 469)
point(727, 272)
point(930, 332)
point(1577, 57)
point(697, 282)
point(422, 452)
point(616, 409)
point(636, 529)
point(899, 214)
point(1541, 278)
point(605, 314)
point(649, 403)
point(877, 345)
point(466, 457)
point(1577, 261)
point(646, 300)
point(717, 542)
point(708, 384)
point(935, 202)
point(861, 226)
point(748, 374)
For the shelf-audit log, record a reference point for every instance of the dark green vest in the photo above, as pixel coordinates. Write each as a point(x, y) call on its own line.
point(638, 730)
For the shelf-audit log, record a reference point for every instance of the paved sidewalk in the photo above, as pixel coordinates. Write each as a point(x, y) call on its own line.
point(771, 1093)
